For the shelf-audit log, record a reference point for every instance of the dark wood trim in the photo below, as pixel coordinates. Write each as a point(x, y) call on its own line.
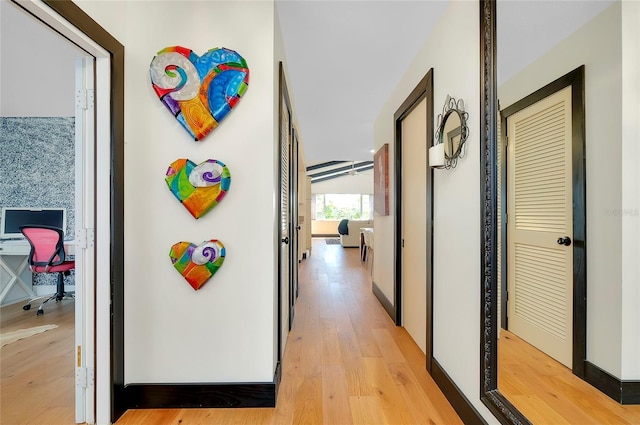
point(83, 22)
point(460, 403)
point(347, 168)
point(295, 214)
point(324, 165)
point(342, 174)
point(325, 235)
point(630, 392)
point(501, 408)
point(206, 395)
point(423, 90)
point(388, 305)
point(624, 392)
point(283, 92)
point(502, 216)
point(575, 80)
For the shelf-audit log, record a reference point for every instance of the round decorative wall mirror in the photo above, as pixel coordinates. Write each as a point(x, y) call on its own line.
point(452, 131)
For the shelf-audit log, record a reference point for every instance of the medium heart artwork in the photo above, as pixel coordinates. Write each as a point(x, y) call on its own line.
point(197, 264)
point(198, 187)
point(200, 91)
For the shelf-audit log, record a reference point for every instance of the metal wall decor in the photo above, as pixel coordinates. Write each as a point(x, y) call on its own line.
point(198, 187)
point(200, 91)
point(452, 131)
point(197, 263)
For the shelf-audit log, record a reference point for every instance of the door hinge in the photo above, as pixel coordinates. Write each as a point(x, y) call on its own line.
point(403, 242)
point(85, 238)
point(506, 218)
point(85, 99)
point(85, 377)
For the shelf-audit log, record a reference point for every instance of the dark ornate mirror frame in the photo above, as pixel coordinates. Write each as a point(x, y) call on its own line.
point(452, 106)
point(503, 410)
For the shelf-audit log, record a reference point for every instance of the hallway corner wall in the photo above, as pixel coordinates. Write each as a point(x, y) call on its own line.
point(224, 332)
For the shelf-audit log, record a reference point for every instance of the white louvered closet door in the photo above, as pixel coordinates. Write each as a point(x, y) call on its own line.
point(539, 212)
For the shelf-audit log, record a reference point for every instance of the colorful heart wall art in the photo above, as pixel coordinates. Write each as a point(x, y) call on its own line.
point(197, 264)
point(198, 187)
point(200, 91)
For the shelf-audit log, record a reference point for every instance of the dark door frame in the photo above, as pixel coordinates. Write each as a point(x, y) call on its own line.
point(284, 97)
point(424, 90)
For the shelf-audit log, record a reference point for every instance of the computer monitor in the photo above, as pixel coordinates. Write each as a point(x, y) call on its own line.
point(13, 218)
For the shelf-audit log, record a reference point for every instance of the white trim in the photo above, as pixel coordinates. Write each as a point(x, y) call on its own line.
point(55, 21)
point(103, 242)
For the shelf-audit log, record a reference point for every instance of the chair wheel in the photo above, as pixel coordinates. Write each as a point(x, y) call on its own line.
point(26, 307)
point(40, 313)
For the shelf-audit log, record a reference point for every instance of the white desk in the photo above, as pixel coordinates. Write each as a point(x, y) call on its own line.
point(15, 264)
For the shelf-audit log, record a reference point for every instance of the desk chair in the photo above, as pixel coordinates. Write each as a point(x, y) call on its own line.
point(47, 256)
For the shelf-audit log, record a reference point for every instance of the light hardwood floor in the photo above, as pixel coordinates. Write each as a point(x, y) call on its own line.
point(37, 373)
point(546, 391)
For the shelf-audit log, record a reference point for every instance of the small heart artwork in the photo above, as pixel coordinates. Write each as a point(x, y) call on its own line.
point(198, 187)
point(197, 264)
point(199, 90)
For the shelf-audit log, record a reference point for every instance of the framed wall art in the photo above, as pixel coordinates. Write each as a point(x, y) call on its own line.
point(381, 180)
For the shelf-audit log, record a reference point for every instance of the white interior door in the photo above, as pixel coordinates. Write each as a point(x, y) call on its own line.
point(414, 224)
point(540, 213)
point(84, 240)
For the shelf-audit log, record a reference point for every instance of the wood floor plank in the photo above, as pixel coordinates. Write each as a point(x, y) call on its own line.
point(365, 410)
point(420, 405)
point(335, 396)
point(388, 396)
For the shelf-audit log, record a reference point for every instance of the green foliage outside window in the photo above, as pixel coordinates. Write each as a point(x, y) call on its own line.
point(341, 206)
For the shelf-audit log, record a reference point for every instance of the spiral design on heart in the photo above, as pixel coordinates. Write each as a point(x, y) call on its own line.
point(207, 252)
point(174, 72)
point(208, 173)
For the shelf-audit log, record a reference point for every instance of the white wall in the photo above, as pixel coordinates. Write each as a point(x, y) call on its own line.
point(598, 46)
point(456, 200)
point(225, 331)
point(37, 67)
point(630, 190)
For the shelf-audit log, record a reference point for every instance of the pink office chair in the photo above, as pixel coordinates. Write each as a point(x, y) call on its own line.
point(47, 256)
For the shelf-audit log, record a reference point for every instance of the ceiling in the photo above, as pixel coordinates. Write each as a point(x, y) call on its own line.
point(345, 57)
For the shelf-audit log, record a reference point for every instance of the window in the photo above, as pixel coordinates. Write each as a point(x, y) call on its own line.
point(340, 206)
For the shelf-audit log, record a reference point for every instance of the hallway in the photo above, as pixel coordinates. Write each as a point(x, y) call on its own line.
point(345, 361)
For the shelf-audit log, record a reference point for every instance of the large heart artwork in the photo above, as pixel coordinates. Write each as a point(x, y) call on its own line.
point(198, 187)
point(199, 90)
point(197, 264)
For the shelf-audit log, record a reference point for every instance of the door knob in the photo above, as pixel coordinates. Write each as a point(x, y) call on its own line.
point(566, 241)
point(285, 240)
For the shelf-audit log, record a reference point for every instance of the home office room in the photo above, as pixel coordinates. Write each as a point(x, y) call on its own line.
point(43, 129)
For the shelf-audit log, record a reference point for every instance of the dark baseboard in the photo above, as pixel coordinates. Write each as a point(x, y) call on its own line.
point(203, 395)
point(383, 300)
point(460, 403)
point(325, 235)
point(624, 392)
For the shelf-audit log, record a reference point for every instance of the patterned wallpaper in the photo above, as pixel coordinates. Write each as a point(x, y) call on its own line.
point(37, 168)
